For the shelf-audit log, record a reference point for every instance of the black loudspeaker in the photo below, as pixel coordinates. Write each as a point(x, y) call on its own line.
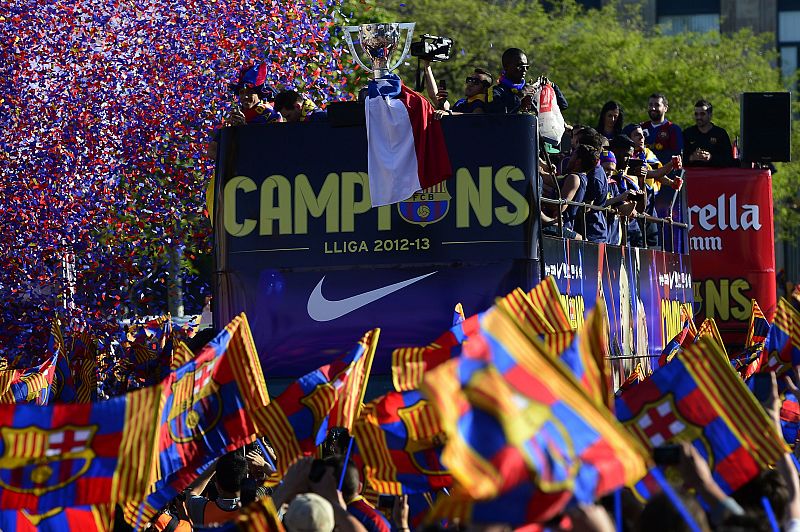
point(766, 127)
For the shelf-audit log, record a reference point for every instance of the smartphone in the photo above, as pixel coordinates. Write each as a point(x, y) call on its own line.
point(386, 501)
point(762, 386)
point(667, 454)
point(443, 85)
point(317, 470)
point(635, 164)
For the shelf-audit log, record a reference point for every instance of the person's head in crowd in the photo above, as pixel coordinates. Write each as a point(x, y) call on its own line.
point(611, 118)
point(515, 65)
point(770, 484)
point(622, 147)
point(583, 159)
point(660, 515)
point(636, 134)
point(309, 512)
point(590, 136)
point(657, 107)
point(290, 105)
point(251, 86)
point(231, 470)
point(608, 161)
point(477, 83)
point(702, 114)
point(351, 486)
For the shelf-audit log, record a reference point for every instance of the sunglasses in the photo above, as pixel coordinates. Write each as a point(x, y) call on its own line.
point(475, 81)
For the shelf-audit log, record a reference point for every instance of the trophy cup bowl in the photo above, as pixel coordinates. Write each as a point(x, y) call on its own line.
point(379, 41)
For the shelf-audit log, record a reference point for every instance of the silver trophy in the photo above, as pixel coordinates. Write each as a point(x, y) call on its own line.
point(379, 41)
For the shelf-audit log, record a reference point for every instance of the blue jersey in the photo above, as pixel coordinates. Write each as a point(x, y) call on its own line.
point(665, 140)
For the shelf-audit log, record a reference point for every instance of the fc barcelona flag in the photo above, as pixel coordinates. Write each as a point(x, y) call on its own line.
point(84, 518)
point(758, 329)
point(409, 364)
point(782, 346)
point(519, 427)
point(32, 385)
point(698, 398)
point(297, 420)
point(210, 408)
point(400, 442)
point(675, 345)
point(65, 455)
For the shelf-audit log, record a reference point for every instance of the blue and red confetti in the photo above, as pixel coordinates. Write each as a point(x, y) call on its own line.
point(105, 111)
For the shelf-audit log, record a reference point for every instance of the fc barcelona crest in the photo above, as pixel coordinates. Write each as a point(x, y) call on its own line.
point(64, 455)
point(427, 206)
point(197, 405)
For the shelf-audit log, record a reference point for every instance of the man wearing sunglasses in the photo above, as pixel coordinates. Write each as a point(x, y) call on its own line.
point(476, 89)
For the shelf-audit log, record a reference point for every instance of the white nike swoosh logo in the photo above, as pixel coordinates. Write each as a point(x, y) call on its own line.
point(321, 309)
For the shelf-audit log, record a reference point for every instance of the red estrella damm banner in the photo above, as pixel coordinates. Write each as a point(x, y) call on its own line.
point(732, 246)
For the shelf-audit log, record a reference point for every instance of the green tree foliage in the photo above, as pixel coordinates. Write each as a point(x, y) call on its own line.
point(607, 54)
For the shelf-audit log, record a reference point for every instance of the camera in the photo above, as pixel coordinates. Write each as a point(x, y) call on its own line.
point(432, 48)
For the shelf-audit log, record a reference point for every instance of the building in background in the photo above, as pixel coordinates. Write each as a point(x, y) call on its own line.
point(781, 17)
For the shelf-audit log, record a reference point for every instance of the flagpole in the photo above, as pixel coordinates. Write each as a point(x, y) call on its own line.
point(346, 461)
point(674, 499)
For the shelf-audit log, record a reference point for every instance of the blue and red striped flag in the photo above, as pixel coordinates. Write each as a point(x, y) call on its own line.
point(522, 438)
point(297, 421)
point(400, 442)
point(758, 328)
point(698, 398)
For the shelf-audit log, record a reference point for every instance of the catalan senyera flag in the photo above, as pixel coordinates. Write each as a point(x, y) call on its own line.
point(210, 407)
point(588, 358)
point(758, 328)
point(519, 305)
point(409, 364)
point(83, 365)
point(709, 328)
point(782, 346)
point(65, 455)
point(400, 442)
point(297, 421)
point(350, 395)
point(84, 518)
point(546, 297)
point(698, 398)
point(520, 428)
